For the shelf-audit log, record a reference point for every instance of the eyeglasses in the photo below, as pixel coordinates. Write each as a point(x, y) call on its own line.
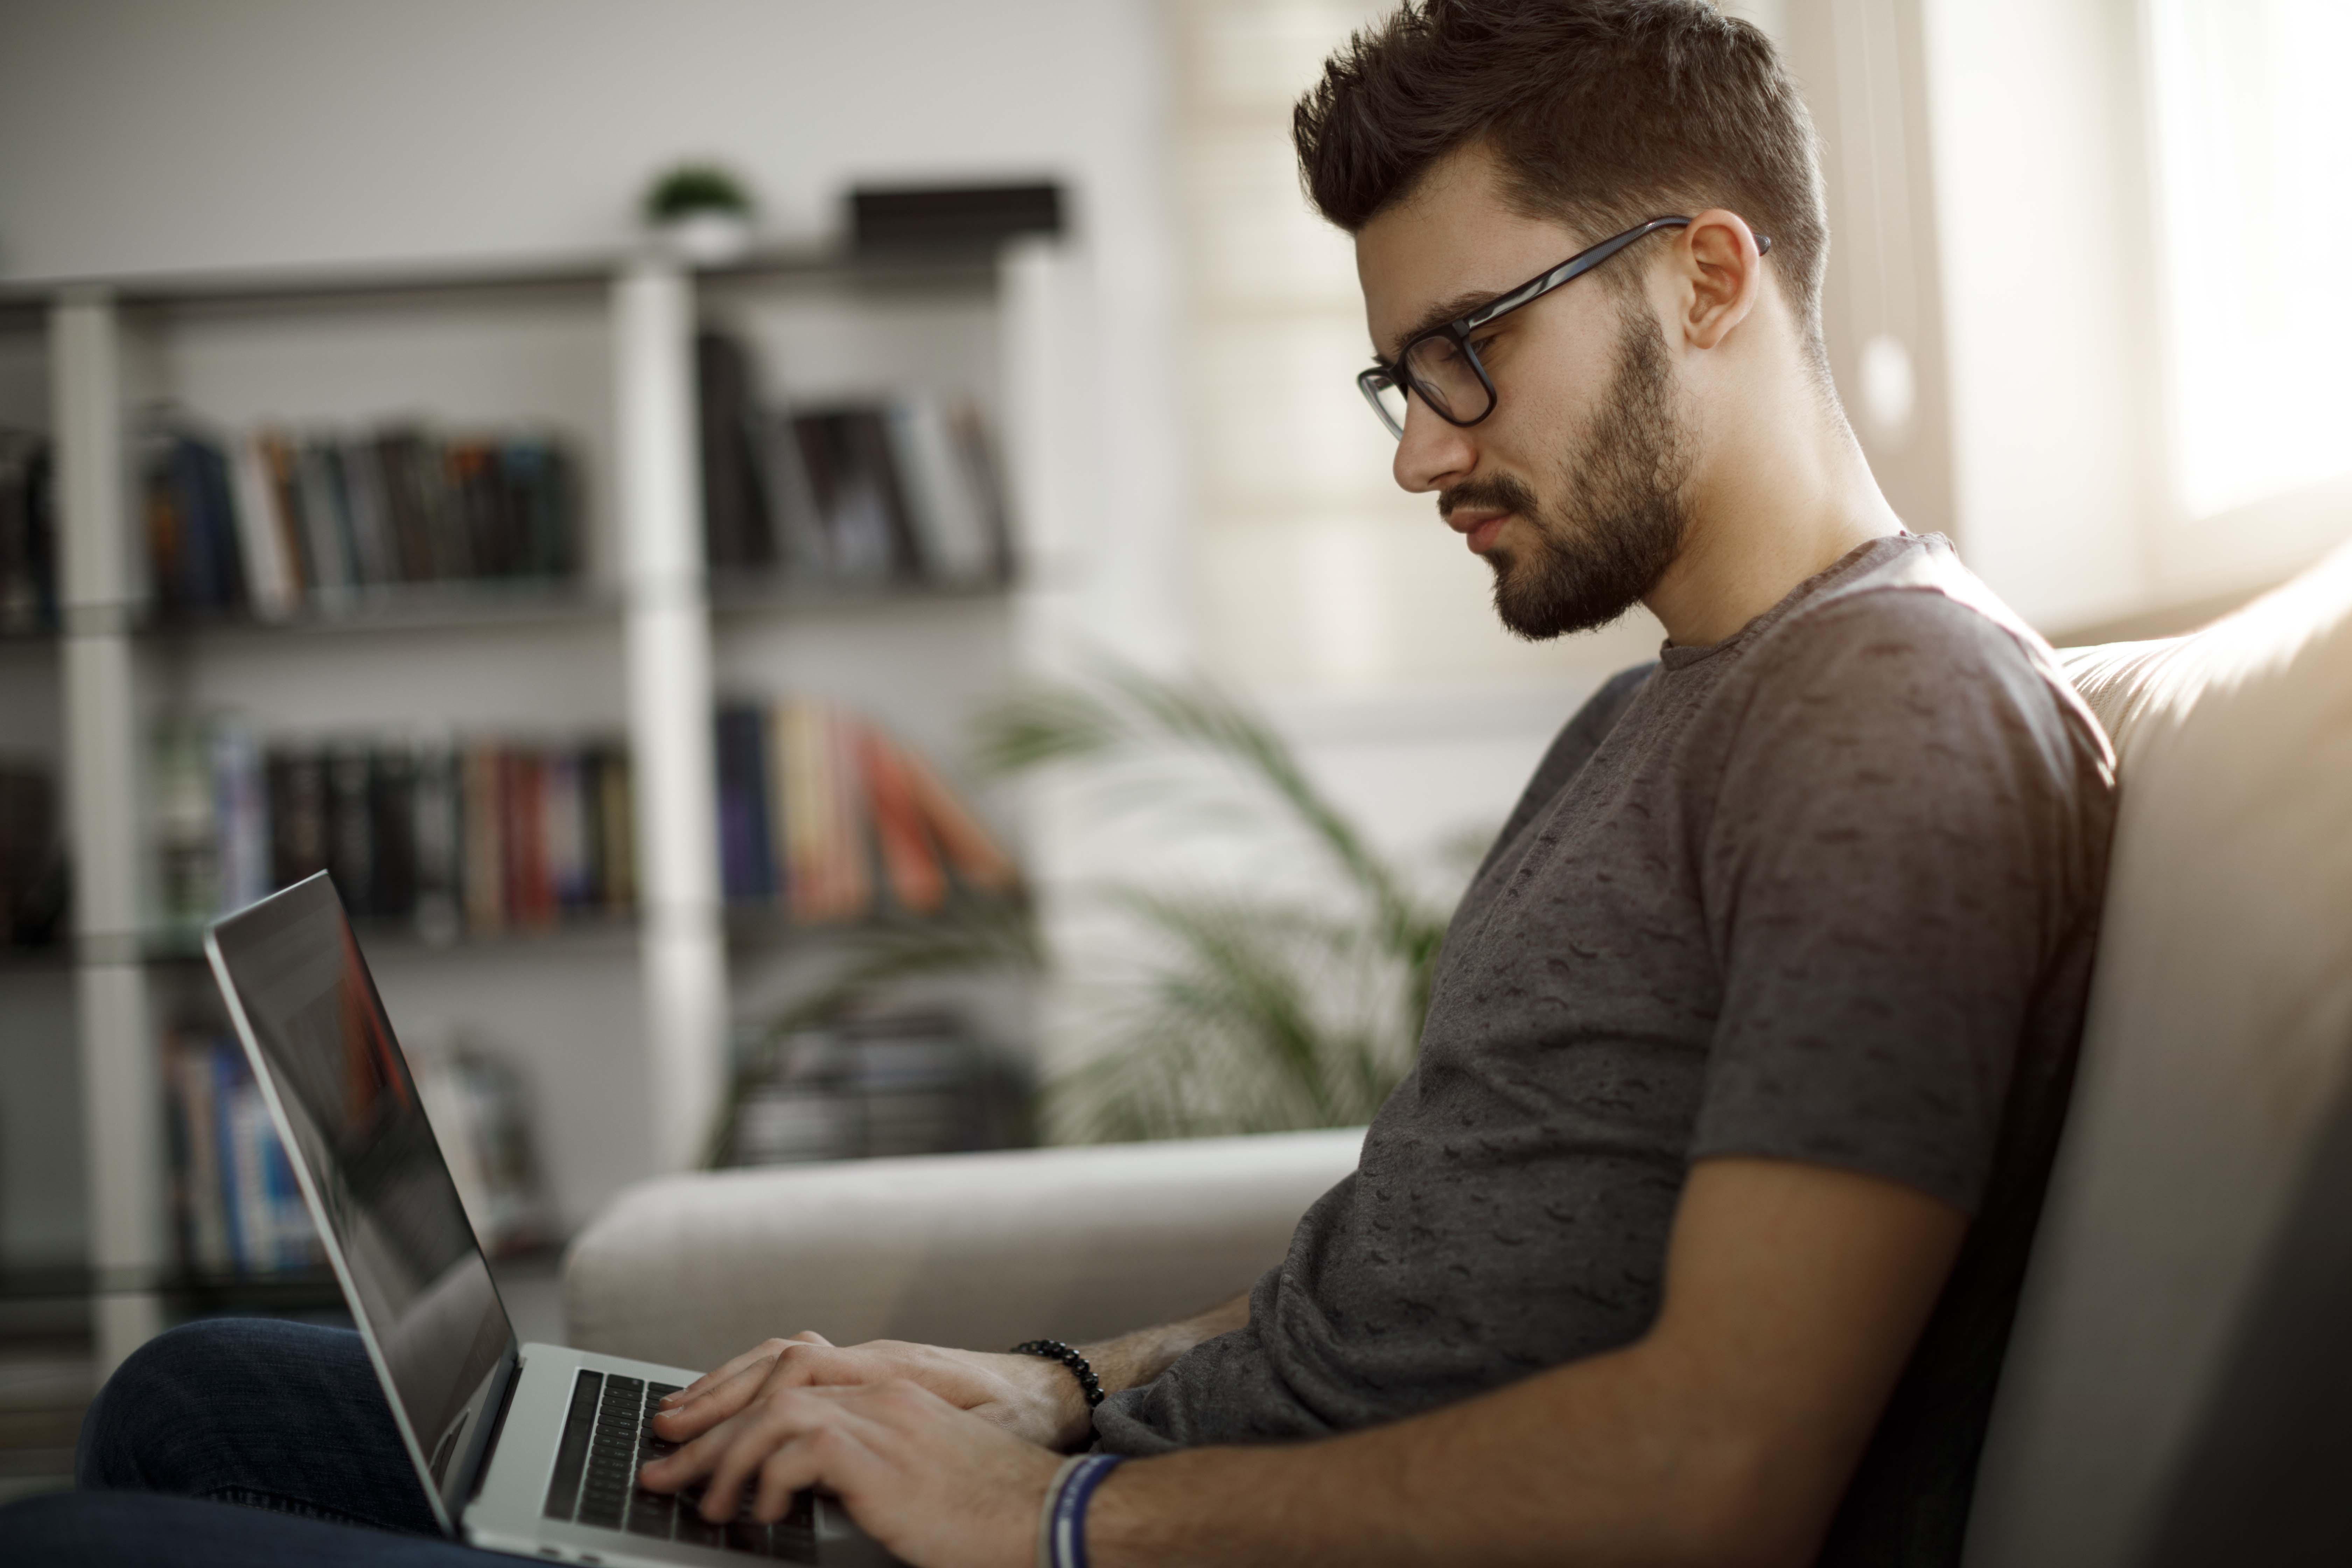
point(1441, 365)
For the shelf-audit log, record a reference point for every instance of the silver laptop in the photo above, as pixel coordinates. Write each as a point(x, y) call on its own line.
point(531, 1450)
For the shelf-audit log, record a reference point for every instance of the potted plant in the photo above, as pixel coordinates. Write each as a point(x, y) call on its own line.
point(702, 212)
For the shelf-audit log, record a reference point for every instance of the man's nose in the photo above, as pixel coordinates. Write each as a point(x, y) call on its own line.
point(1432, 453)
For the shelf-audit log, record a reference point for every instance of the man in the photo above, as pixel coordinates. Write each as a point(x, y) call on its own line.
point(1695, 1234)
point(1766, 992)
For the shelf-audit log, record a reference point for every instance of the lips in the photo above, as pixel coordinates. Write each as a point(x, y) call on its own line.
point(1479, 529)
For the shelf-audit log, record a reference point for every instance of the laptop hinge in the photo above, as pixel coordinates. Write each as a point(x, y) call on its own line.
point(497, 1426)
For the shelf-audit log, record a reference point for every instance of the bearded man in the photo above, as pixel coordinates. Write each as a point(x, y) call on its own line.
point(1695, 1233)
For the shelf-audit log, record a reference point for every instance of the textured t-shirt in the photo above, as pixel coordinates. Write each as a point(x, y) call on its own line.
point(1826, 891)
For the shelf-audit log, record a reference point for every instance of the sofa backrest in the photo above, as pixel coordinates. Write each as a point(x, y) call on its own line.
point(2218, 1036)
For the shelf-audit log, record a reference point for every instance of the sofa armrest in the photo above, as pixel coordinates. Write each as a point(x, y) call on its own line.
point(978, 1250)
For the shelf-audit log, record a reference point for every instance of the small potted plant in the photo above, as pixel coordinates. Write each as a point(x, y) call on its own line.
point(702, 212)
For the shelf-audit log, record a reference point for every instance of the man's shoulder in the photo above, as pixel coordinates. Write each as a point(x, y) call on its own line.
point(1920, 633)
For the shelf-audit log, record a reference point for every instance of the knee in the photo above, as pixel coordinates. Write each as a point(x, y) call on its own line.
point(161, 1396)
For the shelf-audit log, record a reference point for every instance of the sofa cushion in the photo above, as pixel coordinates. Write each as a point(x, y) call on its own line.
point(979, 1250)
point(2220, 1029)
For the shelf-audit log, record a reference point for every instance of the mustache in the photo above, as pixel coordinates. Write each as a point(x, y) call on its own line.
point(1502, 492)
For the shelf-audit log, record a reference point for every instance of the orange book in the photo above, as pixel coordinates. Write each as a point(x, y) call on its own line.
point(850, 851)
point(808, 807)
point(919, 882)
point(978, 863)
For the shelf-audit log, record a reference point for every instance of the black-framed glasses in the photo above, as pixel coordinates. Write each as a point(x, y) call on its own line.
point(1441, 365)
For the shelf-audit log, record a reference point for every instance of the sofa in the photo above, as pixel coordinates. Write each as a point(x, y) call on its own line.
point(2185, 1222)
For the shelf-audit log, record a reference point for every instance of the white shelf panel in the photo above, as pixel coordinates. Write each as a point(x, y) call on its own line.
point(551, 679)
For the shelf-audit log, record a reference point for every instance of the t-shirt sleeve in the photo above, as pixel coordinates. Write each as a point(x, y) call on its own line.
point(1896, 852)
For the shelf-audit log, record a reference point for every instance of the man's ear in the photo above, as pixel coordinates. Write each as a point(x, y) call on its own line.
point(1723, 275)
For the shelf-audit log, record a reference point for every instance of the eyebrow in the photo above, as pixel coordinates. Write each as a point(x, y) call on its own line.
point(1437, 315)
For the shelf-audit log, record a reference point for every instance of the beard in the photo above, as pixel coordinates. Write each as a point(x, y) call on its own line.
point(1620, 518)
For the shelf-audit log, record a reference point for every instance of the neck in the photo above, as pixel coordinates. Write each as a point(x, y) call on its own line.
point(1781, 493)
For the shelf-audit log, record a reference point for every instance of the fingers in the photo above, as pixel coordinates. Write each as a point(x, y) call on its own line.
point(760, 1354)
point(715, 1404)
point(795, 1439)
point(717, 1395)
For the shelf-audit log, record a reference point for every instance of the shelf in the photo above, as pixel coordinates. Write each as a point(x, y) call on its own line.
point(295, 1291)
point(433, 607)
point(409, 606)
point(35, 957)
point(747, 595)
point(392, 936)
point(575, 271)
point(746, 924)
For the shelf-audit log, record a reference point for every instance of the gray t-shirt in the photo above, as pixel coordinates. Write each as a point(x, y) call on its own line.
point(1827, 891)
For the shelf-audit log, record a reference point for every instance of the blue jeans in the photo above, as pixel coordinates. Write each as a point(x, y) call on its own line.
point(240, 1441)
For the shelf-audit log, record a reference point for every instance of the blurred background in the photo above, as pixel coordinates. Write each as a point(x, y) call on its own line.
point(818, 578)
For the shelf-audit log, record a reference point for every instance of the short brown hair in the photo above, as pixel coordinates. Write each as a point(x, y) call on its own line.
point(1603, 113)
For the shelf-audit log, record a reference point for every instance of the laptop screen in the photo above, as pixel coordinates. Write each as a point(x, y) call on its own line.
point(414, 1274)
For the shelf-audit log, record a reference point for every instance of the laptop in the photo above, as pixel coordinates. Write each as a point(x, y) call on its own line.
point(531, 1450)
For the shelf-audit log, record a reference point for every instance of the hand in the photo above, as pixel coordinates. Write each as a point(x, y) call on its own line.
point(1027, 1397)
point(940, 1487)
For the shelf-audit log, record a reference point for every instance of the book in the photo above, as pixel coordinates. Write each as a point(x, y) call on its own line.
point(737, 534)
point(943, 497)
point(822, 812)
point(439, 842)
point(351, 824)
point(273, 585)
point(482, 836)
point(746, 859)
point(235, 1200)
point(918, 883)
point(485, 854)
point(265, 524)
point(478, 1111)
point(31, 853)
point(240, 807)
point(28, 550)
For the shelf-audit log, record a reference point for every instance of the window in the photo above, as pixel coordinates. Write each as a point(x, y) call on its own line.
point(2253, 220)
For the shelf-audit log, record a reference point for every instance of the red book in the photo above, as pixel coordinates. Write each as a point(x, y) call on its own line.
point(978, 863)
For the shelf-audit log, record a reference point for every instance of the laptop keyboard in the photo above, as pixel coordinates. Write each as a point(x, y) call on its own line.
point(607, 1434)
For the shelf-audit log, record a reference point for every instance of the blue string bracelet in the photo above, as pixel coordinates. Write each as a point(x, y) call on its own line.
point(1066, 1513)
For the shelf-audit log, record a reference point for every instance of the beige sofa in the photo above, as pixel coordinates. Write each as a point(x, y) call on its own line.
point(2221, 1030)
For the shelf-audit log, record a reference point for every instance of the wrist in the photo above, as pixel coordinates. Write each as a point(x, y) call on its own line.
point(1070, 1385)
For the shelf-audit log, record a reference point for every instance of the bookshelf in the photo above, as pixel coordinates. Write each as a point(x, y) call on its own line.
point(620, 1021)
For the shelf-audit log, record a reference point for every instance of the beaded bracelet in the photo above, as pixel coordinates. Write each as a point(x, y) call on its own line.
point(1054, 1350)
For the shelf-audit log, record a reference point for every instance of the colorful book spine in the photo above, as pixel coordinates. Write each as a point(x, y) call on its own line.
point(822, 814)
point(262, 523)
point(478, 836)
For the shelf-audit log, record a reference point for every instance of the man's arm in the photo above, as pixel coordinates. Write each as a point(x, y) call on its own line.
point(1029, 1397)
point(1727, 1435)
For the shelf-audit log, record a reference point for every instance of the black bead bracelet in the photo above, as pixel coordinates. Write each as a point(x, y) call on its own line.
point(1054, 1350)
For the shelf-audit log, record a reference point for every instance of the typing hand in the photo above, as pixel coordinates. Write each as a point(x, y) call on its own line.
point(1031, 1399)
point(939, 1486)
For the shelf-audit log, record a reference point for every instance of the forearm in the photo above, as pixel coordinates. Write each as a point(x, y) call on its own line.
point(1130, 1360)
point(1594, 1462)
point(1138, 1358)
point(1727, 1435)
